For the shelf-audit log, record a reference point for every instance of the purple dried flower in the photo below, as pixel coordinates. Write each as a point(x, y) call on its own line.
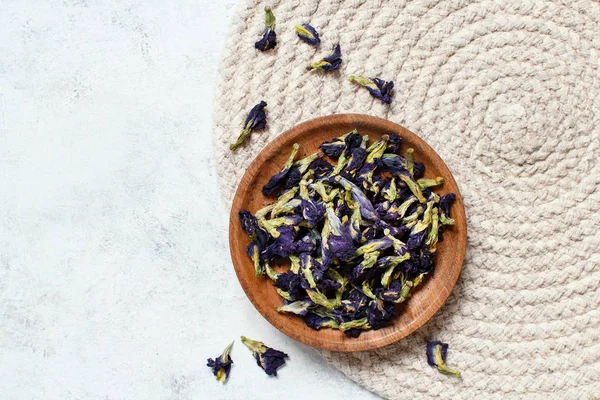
point(308, 34)
point(436, 357)
point(317, 322)
point(445, 203)
point(256, 119)
point(276, 180)
point(378, 88)
point(337, 241)
point(267, 358)
point(331, 62)
point(291, 284)
point(394, 143)
point(366, 208)
point(221, 366)
point(379, 313)
point(269, 39)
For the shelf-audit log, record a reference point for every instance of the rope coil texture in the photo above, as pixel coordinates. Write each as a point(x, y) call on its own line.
point(508, 93)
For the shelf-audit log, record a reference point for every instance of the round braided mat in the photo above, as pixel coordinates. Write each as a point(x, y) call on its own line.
point(508, 93)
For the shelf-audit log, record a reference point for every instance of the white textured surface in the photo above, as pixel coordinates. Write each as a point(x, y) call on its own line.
point(115, 277)
point(508, 93)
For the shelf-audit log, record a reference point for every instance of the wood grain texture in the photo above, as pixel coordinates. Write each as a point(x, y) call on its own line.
point(425, 301)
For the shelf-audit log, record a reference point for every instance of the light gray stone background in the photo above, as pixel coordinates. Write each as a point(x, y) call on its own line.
point(115, 275)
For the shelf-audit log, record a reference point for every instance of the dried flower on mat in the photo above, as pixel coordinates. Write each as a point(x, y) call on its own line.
point(256, 119)
point(267, 358)
point(331, 62)
point(377, 87)
point(436, 357)
point(360, 232)
point(269, 39)
point(308, 34)
point(222, 364)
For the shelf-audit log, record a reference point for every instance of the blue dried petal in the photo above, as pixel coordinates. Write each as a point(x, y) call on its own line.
point(436, 357)
point(378, 88)
point(313, 211)
point(308, 34)
point(445, 203)
point(283, 246)
point(358, 156)
point(418, 170)
point(250, 225)
point(331, 62)
point(415, 240)
point(291, 284)
point(316, 322)
point(321, 168)
point(307, 244)
point(334, 148)
point(269, 39)
point(352, 140)
point(342, 247)
point(276, 180)
point(393, 163)
point(256, 119)
point(394, 143)
point(267, 358)
point(392, 293)
point(366, 208)
point(380, 313)
point(221, 366)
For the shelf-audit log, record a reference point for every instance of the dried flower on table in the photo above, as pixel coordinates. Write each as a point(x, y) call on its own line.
point(221, 365)
point(256, 119)
point(436, 357)
point(267, 358)
point(377, 87)
point(269, 39)
point(308, 34)
point(331, 62)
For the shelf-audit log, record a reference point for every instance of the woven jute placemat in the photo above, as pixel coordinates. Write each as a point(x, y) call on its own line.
point(508, 93)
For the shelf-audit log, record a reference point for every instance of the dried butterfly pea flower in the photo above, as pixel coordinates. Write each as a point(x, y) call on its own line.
point(253, 230)
point(221, 366)
point(445, 203)
point(256, 119)
point(267, 358)
point(320, 168)
point(317, 322)
point(378, 88)
point(313, 211)
point(290, 284)
point(394, 143)
point(308, 34)
point(269, 39)
point(276, 180)
point(367, 210)
point(436, 357)
point(331, 62)
point(299, 168)
point(338, 241)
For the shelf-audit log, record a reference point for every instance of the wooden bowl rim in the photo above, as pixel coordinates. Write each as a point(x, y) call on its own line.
point(296, 132)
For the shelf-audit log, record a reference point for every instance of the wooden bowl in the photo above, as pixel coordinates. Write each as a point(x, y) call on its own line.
point(424, 302)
